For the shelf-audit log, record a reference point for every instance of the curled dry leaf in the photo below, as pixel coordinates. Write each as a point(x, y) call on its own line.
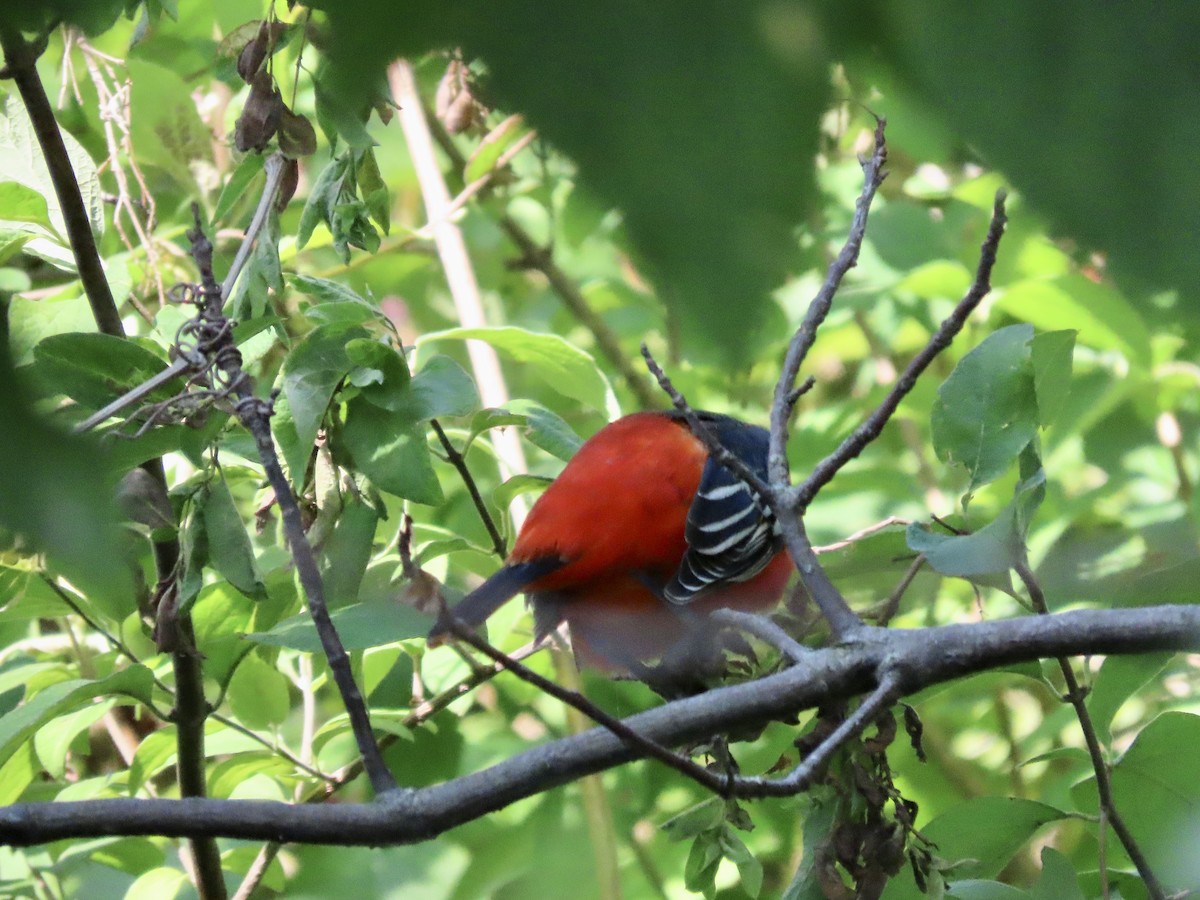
point(261, 116)
point(297, 137)
point(288, 185)
point(252, 43)
point(423, 593)
point(454, 103)
point(144, 500)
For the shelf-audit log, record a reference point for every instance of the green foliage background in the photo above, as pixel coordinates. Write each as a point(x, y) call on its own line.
point(694, 173)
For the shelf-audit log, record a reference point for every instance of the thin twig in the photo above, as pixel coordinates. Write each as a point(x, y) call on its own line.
point(1077, 698)
point(700, 429)
point(803, 493)
point(255, 416)
point(763, 629)
point(274, 166)
point(456, 459)
point(818, 309)
point(716, 783)
point(889, 690)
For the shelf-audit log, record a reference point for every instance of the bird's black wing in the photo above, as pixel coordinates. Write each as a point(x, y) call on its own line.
point(731, 534)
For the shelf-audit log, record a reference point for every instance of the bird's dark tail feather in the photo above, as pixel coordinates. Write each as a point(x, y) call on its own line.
point(492, 594)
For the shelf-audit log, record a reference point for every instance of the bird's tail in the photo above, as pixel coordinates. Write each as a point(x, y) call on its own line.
point(475, 608)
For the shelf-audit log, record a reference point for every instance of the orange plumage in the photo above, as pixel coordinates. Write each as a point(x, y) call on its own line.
point(609, 534)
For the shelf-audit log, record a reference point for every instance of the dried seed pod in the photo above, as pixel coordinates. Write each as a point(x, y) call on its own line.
point(260, 118)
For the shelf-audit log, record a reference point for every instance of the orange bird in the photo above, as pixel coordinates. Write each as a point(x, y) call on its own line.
point(639, 538)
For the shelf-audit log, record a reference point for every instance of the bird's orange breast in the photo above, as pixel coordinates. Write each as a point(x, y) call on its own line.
point(619, 506)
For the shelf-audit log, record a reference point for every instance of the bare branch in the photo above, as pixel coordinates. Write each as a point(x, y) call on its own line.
point(833, 605)
point(803, 493)
point(255, 415)
point(802, 777)
point(818, 309)
point(460, 464)
point(927, 656)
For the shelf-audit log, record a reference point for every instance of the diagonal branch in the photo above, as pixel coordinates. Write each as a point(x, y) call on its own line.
point(803, 493)
point(785, 398)
point(926, 656)
point(255, 415)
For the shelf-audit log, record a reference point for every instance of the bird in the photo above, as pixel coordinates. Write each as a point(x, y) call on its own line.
point(641, 536)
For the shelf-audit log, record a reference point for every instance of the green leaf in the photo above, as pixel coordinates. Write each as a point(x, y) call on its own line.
point(442, 388)
point(348, 551)
point(374, 190)
point(21, 161)
point(1101, 316)
point(65, 697)
point(1121, 677)
point(487, 419)
point(19, 203)
point(547, 430)
point(322, 199)
point(700, 870)
point(749, 868)
point(978, 889)
point(993, 549)
point(56, 491)
point(158, 884)
point(238, 184)
point(389, 449)
point(229, 548)
point(1058, 880)
point(360, 626)
point(986, 411)
point(561, 365)
point(311, 372)
point(516, 486)
point(616, 90)
point(323, 290)
point(53, 740)
point(378, 367)
point(1154, 786)
point(258, 694)
point(30, 321)
point(95, 369)
point(1051, 354)
point(982, 74)
point(167, 130)
point(986, 832)
point(491, 148)
point(704, 816)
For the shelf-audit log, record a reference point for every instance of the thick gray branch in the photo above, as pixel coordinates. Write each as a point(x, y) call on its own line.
point(925, 656)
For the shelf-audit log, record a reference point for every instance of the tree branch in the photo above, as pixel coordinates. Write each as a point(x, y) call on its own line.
point(1077, 697)
point(803, 493)
point(460, 464)
point(20, 58)
point(191, 708)
point(818, 309)
point(927, 656)
point(255, 415)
